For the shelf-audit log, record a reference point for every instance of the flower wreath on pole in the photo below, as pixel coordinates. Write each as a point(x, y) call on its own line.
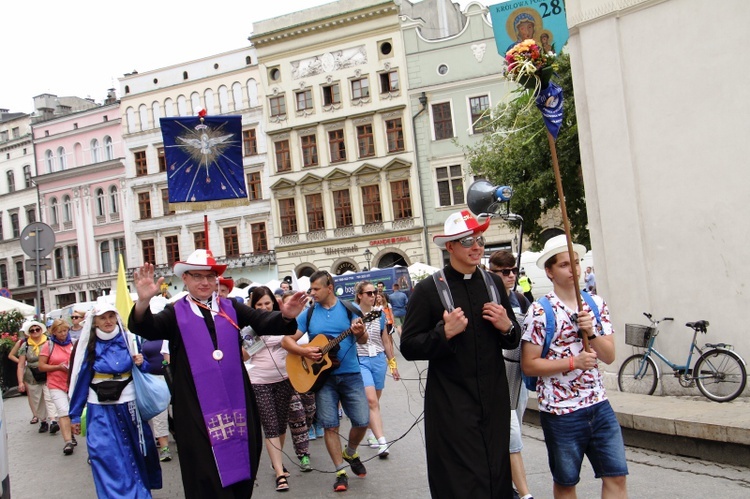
point(528, 65)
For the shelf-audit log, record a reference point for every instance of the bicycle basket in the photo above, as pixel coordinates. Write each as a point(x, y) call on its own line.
point(637, 335)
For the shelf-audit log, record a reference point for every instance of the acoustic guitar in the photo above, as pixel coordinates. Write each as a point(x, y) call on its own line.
point(307, 375)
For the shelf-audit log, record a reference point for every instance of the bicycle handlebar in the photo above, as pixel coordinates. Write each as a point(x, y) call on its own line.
point(650, 317)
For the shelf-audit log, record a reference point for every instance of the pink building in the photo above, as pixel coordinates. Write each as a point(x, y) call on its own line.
point(80, 175)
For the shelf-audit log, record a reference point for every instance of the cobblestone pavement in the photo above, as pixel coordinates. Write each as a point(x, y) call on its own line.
point(402, 475)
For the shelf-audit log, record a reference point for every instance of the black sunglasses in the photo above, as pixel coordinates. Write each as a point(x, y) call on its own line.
point(369, 293)
point(506, 272)
point(34, 329)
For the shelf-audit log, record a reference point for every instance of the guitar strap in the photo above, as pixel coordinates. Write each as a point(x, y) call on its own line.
point(351, 311)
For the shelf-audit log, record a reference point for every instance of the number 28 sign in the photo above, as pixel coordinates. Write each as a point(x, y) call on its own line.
point(544, 21)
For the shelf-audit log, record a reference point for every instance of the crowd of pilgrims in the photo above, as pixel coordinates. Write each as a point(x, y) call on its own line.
point(103, 352)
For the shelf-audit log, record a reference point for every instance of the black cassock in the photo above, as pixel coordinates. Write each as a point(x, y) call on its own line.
point(467, 405)
point(200, 477)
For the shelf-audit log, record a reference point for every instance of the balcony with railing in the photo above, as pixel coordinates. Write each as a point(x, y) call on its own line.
point(349, 231)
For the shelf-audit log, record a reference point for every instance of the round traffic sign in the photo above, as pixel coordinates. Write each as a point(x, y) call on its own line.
point(37, 237)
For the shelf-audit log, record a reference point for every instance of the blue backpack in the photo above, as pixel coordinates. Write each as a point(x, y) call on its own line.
point(550, 328)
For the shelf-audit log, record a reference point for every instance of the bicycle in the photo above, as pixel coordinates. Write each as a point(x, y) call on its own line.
point(719, 372)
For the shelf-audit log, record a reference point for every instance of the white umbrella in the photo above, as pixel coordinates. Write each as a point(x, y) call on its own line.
point(6, 305)
point(421, 270)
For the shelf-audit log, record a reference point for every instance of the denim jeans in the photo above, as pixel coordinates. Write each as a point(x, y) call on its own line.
point(593, 431)
point(350, 391)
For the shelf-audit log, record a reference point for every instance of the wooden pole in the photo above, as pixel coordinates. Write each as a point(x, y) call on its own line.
point(566, 227)
point(205, 230)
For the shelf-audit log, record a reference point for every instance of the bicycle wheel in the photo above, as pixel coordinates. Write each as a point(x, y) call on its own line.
point(638, 374)
point(720, 375)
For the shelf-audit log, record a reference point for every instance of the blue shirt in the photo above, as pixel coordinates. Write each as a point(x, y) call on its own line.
point(332, 322)
point(398, 303)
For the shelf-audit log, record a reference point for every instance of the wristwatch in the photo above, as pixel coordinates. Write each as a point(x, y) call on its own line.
point(512, 327)
point(592, 337)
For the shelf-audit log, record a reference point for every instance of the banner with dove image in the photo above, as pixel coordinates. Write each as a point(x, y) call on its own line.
point(204, 162)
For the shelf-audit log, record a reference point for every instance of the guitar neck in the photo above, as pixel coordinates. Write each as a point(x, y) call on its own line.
point(335, 341)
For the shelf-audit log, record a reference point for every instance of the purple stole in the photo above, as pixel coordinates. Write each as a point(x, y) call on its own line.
point(221, 389)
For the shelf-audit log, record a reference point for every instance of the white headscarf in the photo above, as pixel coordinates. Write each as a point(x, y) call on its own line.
point(83, 341)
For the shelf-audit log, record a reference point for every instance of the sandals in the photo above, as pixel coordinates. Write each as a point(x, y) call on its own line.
point(34, 420)
point(68, 449)
point(286, 471)
point(282, 485)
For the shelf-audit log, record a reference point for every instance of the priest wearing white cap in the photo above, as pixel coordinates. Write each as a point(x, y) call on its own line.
point(467, 403)
point(215, 415)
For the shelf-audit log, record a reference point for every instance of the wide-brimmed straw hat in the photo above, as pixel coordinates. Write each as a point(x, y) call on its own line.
point(555, 246)
point(200, 259)
point(458, 225)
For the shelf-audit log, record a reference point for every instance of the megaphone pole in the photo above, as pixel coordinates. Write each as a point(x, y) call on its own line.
point(566, 227)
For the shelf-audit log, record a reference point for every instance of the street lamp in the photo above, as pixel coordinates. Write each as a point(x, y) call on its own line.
point(368, 256)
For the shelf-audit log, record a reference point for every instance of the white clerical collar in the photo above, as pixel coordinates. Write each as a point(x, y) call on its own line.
point(468, 276)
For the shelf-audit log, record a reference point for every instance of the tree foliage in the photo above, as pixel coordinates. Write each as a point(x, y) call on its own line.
point(515, 151)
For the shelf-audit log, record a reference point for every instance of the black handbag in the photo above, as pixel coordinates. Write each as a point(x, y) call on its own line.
point(109, 391)
point(39, 376)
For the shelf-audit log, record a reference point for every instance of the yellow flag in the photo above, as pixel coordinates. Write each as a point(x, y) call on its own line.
point(123, 301)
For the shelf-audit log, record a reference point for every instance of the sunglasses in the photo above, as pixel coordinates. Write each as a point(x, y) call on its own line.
point(468, 241)
point(34, 329)
point(506, 272)
point(76, 317)
point(369, 293)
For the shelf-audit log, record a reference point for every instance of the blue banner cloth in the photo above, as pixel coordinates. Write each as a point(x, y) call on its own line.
point(550, 103)
point(204, 161)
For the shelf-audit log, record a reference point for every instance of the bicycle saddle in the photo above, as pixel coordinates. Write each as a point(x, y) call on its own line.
point(698, 325)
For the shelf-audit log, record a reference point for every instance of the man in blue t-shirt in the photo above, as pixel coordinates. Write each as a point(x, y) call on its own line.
point(331, 317)
point(398, 301)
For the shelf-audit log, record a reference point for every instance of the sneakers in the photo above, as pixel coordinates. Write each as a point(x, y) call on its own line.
point(304, 464)
point(383, 451)
point(44, 427)
point(320, 431)
point(357, 467)
point(373, 442)
point(165, 455)
point(342, 482)
point(341, 413)
point(311, 434)
point(54, 428)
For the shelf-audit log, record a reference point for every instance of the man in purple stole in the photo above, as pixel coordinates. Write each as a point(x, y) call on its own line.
point(216, 422)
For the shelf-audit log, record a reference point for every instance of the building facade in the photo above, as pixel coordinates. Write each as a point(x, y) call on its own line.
point(18, 204)
point(666, 183)
point(454, 80)
point(80, 170)
point(341, 154)
point(224, 84)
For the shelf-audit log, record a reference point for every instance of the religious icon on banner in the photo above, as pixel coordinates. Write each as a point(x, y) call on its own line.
point(543, 21)
point(204, 161)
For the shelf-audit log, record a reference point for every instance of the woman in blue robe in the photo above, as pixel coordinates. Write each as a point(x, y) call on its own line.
point(121, 447)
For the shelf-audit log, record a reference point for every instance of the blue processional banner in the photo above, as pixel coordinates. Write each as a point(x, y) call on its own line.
point(540, 20)
point(204, 162)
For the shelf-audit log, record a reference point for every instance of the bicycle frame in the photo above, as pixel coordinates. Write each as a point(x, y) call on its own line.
point(651, 349)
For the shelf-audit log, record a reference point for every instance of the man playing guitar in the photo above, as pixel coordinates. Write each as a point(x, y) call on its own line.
point(330, 317)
